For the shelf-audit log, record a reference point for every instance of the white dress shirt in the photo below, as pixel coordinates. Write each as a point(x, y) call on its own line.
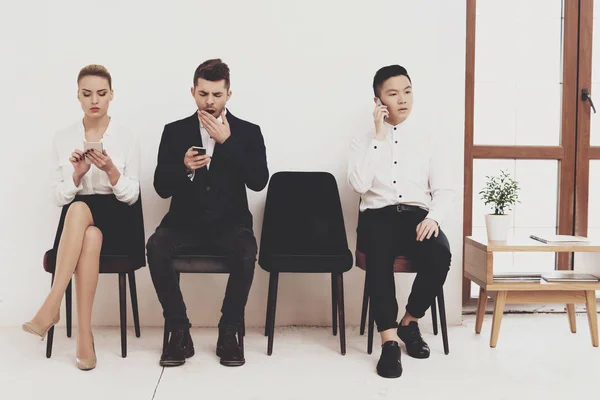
point(207, 142)
point(405, 168)
point(122, 145)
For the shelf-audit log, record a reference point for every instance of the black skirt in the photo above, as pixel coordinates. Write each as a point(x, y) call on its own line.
point(116, 221)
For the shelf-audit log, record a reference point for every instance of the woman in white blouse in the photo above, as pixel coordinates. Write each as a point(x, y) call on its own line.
point(97, 194)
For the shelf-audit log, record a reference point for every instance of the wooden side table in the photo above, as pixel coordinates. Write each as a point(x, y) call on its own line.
point(479, 267)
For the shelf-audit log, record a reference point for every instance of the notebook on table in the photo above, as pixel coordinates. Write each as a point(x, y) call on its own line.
point(567, 276)
point(559, 239)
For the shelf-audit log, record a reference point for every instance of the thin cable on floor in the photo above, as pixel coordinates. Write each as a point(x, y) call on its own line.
point(158, 383)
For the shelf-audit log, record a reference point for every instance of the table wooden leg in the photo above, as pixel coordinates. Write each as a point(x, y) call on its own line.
point(590, 305)
point(497, 320)
point(572, 322)
point(480, 309)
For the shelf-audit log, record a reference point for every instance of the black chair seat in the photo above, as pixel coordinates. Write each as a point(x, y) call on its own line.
point(199, 264)
point(109, 264)
point(307, 263)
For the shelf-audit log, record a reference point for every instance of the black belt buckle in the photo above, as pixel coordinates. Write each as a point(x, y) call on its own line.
point(405, 208)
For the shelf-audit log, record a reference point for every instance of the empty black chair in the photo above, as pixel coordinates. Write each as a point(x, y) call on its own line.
point(303, 232)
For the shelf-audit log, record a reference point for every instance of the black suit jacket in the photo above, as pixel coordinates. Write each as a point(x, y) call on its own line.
point(217, 196)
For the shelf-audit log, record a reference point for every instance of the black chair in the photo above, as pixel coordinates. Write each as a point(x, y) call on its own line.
point(124, 265)
point(401, 265)
point(191, 260)
point(303, 232)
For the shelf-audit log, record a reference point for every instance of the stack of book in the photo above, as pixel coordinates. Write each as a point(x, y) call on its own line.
point(517, 277)
point(554, 276)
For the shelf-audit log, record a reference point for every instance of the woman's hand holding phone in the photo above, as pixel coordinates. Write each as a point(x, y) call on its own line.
point(379, 114)
point(80, 167)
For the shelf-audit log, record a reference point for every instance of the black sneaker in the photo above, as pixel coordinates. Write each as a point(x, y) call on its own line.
point(179, 348)
point(229, 349)
point(389, 365)
point(411, 336)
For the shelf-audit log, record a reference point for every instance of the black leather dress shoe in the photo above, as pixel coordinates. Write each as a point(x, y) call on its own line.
point(179, 348)
point(411, 336)
point(389, 365)
point(229, 349)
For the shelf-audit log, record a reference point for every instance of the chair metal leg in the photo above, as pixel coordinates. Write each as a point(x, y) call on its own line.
point(340, 294)
point(69, 308)
point(271, 307)
point(434, 317)
point(242, 333)
point(244, 323)
point(123, 312)
point(50, 337)
point(134, 303)
point(370, 329)
point(442, 306)
point(165, 338)
point(267, 319)
point(363, 314)
point(334, 303)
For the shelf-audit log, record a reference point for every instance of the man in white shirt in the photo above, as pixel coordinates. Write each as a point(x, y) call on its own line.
point(404, 191)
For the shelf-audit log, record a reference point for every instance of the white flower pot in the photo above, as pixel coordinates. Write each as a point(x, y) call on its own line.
point(498, 227)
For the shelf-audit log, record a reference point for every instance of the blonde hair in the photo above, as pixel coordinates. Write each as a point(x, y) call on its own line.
point(95, 70)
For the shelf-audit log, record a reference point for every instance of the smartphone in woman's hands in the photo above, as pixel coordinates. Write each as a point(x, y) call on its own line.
point(91, 146)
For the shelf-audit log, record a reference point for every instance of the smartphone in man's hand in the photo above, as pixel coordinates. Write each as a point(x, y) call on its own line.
point(201, 150)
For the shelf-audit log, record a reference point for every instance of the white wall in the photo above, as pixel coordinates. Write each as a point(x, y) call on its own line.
point(301, 70)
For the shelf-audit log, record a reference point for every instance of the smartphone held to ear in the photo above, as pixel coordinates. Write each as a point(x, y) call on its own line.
point(91, 146)
point(201, 150)
point(379, 103)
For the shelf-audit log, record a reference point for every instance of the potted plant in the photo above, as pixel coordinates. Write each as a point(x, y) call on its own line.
point(501, 192)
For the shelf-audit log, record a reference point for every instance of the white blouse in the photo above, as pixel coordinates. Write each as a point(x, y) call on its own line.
point(121, 144)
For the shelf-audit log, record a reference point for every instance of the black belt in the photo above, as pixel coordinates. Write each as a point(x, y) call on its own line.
point(399, 208)
point(407, 208)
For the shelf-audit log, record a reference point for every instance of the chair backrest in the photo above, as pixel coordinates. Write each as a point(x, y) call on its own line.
point(303, 215)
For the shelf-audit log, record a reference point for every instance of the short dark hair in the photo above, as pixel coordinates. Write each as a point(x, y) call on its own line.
point(212, 70)
point(386, 73)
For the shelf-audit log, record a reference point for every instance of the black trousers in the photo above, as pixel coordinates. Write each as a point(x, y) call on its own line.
point(238, 243)
point(390, 232)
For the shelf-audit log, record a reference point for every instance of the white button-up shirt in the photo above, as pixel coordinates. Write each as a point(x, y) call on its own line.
point(405, 168)
point(121, 144)
point(207, 142)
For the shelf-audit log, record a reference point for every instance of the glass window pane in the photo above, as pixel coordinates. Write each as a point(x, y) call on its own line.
point(517, 90)
point(595, 90)
point(538, 196)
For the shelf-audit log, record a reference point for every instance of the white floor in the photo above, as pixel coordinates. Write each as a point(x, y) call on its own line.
point(537, 358)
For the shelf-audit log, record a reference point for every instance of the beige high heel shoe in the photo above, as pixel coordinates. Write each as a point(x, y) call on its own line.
point(35, 329)
point(86, 364)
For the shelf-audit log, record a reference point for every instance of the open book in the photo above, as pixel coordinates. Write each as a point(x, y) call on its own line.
point(560, 239)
